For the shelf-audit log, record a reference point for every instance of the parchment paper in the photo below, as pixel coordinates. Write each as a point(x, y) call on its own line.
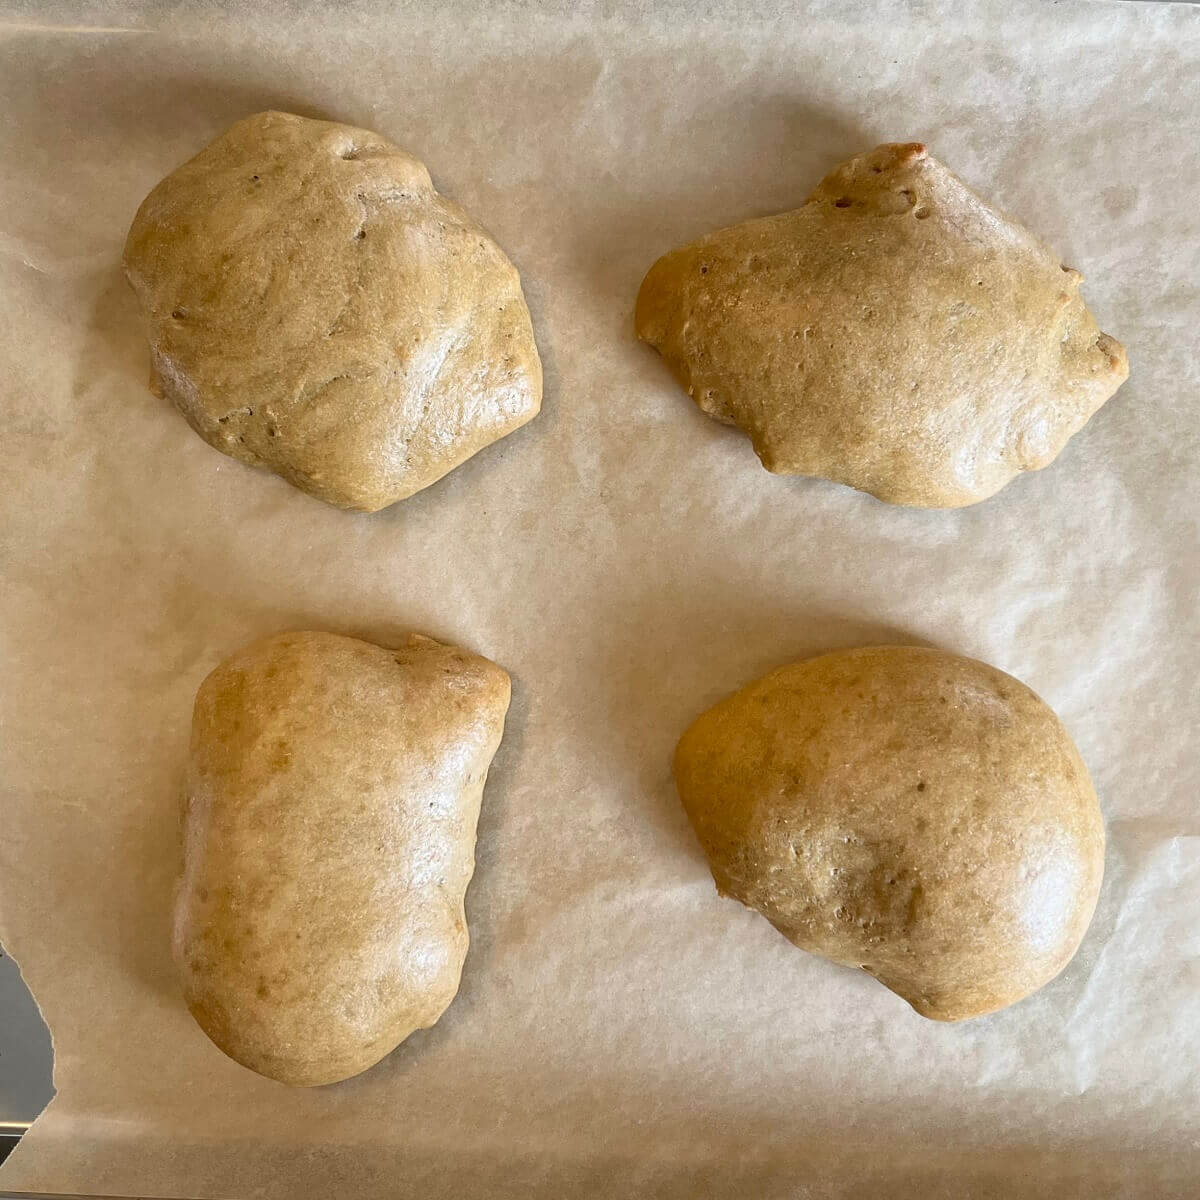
point(620, 1030)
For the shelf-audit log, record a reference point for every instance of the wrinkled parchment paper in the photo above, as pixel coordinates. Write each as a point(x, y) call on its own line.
point(620, 1031)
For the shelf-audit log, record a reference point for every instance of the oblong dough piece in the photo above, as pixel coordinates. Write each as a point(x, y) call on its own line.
point(332, 796)
point(918, 814)
point(315, 307)
point(897, 334)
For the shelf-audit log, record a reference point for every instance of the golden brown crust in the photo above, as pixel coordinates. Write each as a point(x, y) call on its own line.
point(897, 334)
point(915, 813)
point(333, 791)
point(316, 308)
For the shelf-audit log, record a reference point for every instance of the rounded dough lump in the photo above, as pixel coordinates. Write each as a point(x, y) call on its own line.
point(897, 334)
point(332, 795)
point(315, 307)
point(918, 814)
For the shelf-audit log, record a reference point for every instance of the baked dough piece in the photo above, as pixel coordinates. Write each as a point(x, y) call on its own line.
point(332, 796)
point(897, 334)
point(917, 814)
point(315, 307)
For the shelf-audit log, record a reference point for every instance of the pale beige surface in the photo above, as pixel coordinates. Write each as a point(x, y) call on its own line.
point(314, 306)
point(332, 794)
point(628, 562)
point(914, 813)
point(896, 333)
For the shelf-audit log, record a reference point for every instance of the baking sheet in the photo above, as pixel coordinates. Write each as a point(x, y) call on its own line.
point(620, 1030)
